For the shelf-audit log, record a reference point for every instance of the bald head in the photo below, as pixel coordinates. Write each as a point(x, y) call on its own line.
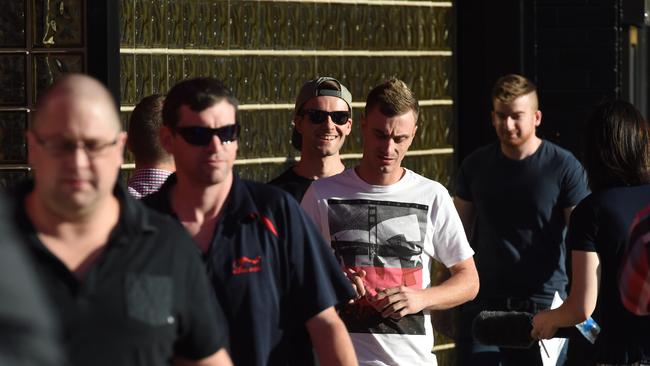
point(75, 147)
point(73, 91)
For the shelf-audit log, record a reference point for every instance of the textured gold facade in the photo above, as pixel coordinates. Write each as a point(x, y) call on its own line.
point(39, 40)
point(265, 50)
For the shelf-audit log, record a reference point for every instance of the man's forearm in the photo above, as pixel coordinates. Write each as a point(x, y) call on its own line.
point(461, 287)
point(331, 339)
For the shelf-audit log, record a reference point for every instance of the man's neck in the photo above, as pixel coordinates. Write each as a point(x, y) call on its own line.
point(199, 208)
point(168, 166)
point(321, 167)
point(370, 176)
point(76, 239)
point(523, 151)
point(101, 218)
point(191, 201)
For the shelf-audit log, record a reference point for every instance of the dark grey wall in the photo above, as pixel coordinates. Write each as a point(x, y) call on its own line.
point(576, 51)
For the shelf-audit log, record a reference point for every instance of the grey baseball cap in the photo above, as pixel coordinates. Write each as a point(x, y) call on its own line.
point(322, 86)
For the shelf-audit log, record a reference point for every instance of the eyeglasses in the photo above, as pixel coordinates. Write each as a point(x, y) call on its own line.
point(317, 116)
point(201, 136)
point(63, 147)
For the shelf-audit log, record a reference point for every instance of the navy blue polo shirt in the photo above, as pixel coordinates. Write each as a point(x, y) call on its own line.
point(144, 300)
point(270, 268)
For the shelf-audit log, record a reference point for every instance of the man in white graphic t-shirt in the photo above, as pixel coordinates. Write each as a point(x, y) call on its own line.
point(386, 225)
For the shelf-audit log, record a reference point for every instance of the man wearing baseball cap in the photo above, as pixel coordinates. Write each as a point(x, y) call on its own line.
point(322, 119)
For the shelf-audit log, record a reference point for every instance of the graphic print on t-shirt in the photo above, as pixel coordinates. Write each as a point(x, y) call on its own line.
point(385, 239)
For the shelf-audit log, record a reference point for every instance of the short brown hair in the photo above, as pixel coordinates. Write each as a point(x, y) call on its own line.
point(393, 98)
point(144, 124)
point(510, 87)
point(199, 94)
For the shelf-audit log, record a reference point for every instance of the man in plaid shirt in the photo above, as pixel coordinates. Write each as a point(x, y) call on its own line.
point(152, 163)
point(635, 275)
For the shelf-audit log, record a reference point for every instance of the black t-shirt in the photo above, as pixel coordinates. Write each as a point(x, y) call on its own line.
point(292, 183)
point(270, 268)
point(145, 299)
point(601, 223)
point(519, 229)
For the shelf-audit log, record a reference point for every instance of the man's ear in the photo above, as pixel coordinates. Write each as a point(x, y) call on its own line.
point(538, 117)
point(297, 121)
point(166, 137)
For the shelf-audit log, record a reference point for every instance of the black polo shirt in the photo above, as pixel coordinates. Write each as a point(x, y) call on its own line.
point(270, 267)
point(144, 300)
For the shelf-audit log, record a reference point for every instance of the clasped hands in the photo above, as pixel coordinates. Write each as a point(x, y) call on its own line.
point(394, 302)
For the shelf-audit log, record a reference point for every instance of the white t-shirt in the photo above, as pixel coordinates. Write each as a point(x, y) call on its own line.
point(392, 232)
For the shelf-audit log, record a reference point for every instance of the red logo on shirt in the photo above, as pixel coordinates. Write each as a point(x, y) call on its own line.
point(246, 265)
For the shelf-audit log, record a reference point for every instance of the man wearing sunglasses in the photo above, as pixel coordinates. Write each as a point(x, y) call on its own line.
point(124, 281)
point(269, 266)
point(388, 225)
point(322, 119)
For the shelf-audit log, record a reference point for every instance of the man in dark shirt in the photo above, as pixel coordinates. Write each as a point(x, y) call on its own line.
point(269, 266)
point(515, 197)
point(152, 163)
point(27, 329)
point(322, 119)
point(123, 280)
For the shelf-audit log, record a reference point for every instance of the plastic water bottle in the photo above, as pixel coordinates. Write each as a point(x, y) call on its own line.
point(589, 329)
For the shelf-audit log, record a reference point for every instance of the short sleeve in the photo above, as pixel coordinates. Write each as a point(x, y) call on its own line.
point(309, 204)
point(203, 326)
point(317, 281)
point(583, 227)
point(574, 183)
point(449, 239)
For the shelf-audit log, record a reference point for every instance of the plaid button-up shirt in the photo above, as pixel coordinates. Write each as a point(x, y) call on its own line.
point(145, 181)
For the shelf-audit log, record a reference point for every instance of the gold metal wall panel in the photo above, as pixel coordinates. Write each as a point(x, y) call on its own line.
point(12, 24)
point(127, 23)
point(266, 133)
point(273, 77)
point(428, 77)
point(127, 79)
point(12, 80)
point(252, 24)
point(58, 23)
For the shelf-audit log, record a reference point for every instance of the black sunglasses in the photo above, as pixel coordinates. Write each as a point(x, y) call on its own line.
point(201, 136)
point(317, 116)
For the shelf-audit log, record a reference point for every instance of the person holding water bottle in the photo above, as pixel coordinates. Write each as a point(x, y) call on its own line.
point(616, 156)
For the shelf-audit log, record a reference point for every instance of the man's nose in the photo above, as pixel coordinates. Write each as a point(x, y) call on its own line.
point(80, 156)
point(215, 143)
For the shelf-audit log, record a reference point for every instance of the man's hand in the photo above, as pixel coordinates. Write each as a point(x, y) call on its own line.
point(397, 302)
point(543, 325)
point(356, 278)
